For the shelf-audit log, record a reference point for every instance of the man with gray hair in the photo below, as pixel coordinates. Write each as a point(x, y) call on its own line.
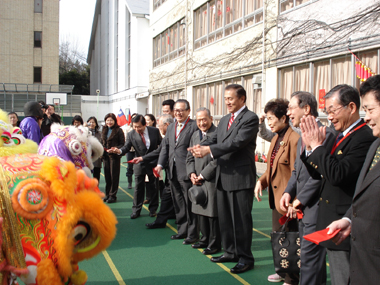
point(202, 174)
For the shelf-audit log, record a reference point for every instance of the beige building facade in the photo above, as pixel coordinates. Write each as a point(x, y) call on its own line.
point(271, 47)
point(29, 46)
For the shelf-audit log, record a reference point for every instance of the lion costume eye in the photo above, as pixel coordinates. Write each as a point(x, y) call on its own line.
point(81, 232)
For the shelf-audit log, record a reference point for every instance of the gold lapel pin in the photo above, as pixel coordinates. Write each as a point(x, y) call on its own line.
point(339, 152)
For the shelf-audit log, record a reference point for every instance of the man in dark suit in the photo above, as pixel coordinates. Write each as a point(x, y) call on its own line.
point(339, 163)
point(233, 145)
point(202, 172)
point(175, 151)
point(143, 139)
point(306, 189)
point(363, 218)
point(167, 208)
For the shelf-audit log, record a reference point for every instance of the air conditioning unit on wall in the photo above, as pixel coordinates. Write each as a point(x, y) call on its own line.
point(256, 81)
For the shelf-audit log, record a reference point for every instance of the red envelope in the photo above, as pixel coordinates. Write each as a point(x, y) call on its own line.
point(131, 161)
point(155, 173)
point(284, 218)
point(320, 236)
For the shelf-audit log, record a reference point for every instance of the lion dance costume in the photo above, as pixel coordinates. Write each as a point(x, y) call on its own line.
point(52, 214)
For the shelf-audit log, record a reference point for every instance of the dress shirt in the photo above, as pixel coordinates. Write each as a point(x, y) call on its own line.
point(179, 129)
point(146, 136)
point(235, 116)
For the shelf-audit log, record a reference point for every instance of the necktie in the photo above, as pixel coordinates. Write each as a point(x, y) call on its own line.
point(231, 121)
point(143, 138)
point(375, 158)
point(339, 137)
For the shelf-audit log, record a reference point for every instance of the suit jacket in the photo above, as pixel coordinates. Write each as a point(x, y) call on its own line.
point(116, 139)
point(277, 177)
point(207, 167)
point(175, 153)
point(134, 139)
point(340, 172)
point(365, 220)
point(305, 187)
point(234, 150)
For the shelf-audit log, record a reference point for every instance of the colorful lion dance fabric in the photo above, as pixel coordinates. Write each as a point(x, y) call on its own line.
point(51, 213)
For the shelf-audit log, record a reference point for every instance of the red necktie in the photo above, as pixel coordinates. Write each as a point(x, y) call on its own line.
point(143, 139)
point(231, 121)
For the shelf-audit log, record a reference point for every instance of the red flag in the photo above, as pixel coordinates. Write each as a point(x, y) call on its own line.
point(212, 100)
point(321, 101)
point(121, 119)
point(129, 120)
point(357, 68)
point(264, 158)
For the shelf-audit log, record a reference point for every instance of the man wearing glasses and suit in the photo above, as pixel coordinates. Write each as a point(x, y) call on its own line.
point(177, 138)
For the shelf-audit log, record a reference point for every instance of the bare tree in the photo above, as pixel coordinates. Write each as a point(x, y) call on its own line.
point(71, 58)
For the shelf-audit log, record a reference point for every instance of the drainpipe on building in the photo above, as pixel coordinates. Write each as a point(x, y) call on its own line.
point(186, 49)
point(263, 79)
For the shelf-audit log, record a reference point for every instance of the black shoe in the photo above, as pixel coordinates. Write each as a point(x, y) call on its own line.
point(190, 240)
point(222, 258)
point(241, 267)
point(105, 199)
point(152, 214)
point(111, 200)
point(155, 225)
point(209, 251)
point(177, 236)
point(135, 215)
point(199, 245)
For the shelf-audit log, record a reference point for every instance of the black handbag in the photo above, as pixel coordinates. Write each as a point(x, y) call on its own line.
point(286, 248)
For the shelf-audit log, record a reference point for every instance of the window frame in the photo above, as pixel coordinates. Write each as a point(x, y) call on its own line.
point(235, 26)
point(35, 68)
point(163, 39)
point(36, 41)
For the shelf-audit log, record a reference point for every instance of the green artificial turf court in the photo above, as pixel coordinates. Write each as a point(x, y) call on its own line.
point(142, 256)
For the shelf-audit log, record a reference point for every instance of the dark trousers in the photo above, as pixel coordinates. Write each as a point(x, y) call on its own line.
point(139, 194)
point(112, 175)
point(167, 208)
point(235, 222)
point(313, 257)
point(292, 226)
point(96, 173)
point(151, 189)
point(186, 220)
point(130, 156)
point(209, 227)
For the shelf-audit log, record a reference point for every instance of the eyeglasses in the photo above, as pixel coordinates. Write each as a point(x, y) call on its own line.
point(179, 110)
point(292, 108)
point(333, 112)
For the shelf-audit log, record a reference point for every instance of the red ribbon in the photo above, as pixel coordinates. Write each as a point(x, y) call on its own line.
point(176, 136)
point(349, 133)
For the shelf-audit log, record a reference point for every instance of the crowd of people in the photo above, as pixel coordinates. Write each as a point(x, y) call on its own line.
point(318, 177)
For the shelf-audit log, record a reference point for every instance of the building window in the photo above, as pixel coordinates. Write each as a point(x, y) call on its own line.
point(37, 75)
point(286, 5)
point(169, 44)
point(157, 3)
point(211, 95)
point(325, 75)
point(217, 19)
point(159, 98)
point(37, 6)
point(37, 39)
